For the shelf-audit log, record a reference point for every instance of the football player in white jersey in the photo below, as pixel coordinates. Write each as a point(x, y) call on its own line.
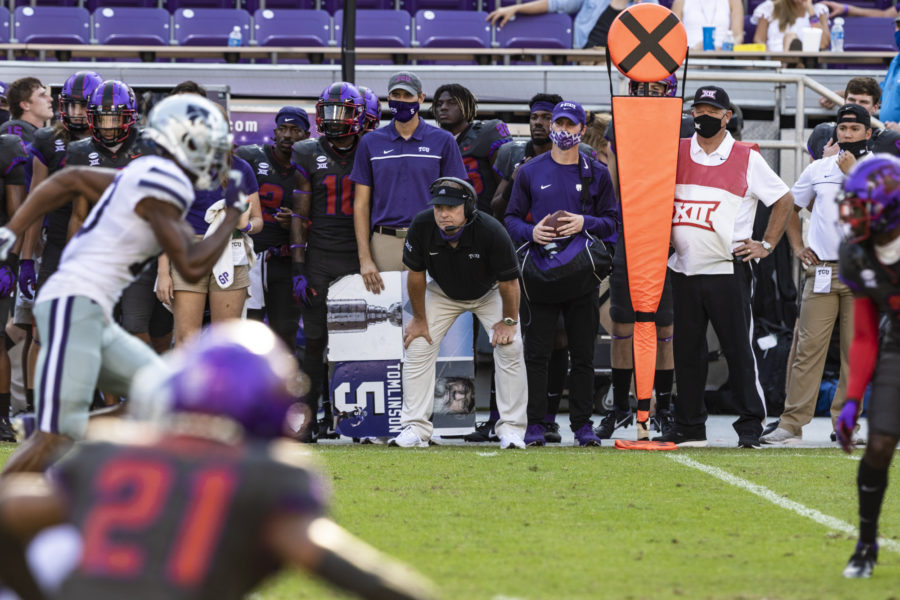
point(139, 214)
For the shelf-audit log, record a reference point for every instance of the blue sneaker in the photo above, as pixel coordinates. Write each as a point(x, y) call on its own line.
point(585, 436)
point(534, 435)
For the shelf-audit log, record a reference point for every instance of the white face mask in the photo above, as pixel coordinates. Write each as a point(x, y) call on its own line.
point(888, 254)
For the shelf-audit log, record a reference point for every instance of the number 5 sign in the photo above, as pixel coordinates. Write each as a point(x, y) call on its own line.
point(369, 396)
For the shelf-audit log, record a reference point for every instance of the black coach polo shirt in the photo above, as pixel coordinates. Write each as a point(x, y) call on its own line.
point(484, 255)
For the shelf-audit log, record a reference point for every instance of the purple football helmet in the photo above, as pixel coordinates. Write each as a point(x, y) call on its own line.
point(373, 109)
point(236, 369)
point(870, 203)
point(340, 110)
point(112, 111)
point(636, 88)
point(76, 92)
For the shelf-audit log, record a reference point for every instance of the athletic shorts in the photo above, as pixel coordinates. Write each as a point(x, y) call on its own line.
point(241, 281)
point(82, 350)
point(620, 309)
point(883, 412)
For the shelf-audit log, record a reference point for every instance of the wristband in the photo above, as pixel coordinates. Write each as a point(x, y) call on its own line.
point(246, 229)
point(846, 9)
point(295, 246)
point(296, 191)
point(301, 217)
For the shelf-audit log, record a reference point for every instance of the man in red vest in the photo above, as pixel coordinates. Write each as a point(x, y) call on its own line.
point(716, 191)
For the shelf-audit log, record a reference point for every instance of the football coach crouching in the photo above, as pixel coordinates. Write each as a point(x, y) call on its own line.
point(473, 266)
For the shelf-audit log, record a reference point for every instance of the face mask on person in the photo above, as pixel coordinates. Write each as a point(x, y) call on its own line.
point(565, 140)
point(857, 149)
point(403, 111)
point(707, 126)
point(451, 234)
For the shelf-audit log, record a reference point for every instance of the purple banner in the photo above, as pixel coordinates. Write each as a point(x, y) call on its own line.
point(367, 397)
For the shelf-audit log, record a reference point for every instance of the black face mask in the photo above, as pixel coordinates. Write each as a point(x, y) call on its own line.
point(857, 149)
point(707, 126)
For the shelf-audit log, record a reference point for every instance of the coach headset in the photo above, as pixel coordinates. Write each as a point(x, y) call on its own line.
point(467, 194)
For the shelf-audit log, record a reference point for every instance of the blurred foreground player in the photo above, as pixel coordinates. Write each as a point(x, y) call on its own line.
point(870, 266)
point(140, 214)
point(222, 502)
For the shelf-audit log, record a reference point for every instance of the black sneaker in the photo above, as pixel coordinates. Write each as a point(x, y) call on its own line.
point(772, 427)
point(7, 433)
point(551, 433)
point(862, 562)
point(749, 441)
point(484, 432)
point(612, 421)
point(327, 430)
point(679, 439)
point(663, 421)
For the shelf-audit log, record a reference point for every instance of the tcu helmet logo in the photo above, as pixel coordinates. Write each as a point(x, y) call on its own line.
point(695, 213)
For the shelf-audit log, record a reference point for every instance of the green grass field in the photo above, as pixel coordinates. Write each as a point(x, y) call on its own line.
point(568, 523)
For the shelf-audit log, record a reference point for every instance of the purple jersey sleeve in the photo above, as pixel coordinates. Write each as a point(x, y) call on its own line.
point(519, 207)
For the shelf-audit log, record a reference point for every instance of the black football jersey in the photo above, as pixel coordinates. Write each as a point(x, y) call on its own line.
point(866, 276)
point(510, 155)
point(23, 129)
point(478, 144)
point(328, 173)
point(181, 518)
point(276, 188)
point(12, 167)
point(50, 148)
point(88, 152)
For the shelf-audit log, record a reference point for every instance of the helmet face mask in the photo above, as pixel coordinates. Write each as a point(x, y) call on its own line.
point(111, 113)
point(870, 203)
point(340, 110)
point(195, 133)
point(74, 97)
point(670, 83)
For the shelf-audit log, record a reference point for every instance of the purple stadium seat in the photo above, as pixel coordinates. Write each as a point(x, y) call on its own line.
point(126, 26)
point(209, 26)
point(52, 25)
point(378, 28)
point(333, 6)
point(551, 30)
point(4, 25)
point(872, 34)
point(413, 6)
point(452, 29)
point(251, 6)
point(286, 27)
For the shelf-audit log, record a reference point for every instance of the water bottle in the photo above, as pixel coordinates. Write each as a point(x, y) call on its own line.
point(728, 42)
point(837, 35)
point(235, 38)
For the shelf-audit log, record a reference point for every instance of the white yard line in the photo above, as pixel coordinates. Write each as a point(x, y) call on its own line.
point(778, 500)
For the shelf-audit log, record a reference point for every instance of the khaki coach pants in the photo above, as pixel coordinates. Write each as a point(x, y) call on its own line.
point(419, 368)
point(387, 252)
point(815, 324)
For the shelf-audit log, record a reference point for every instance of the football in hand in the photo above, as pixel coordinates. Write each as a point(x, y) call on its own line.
point(553, 220)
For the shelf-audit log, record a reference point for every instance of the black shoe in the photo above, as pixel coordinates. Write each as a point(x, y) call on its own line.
point(772, 427)
point(862, 562)
point(749, 441)
point(551, 433)
point(679, 439)
point(327, 430)
point(663, 421)
point(7, 433)
point(484, 432)
point(612, 421)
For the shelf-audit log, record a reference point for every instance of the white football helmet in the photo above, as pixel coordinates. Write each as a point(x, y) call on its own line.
point(194, 131)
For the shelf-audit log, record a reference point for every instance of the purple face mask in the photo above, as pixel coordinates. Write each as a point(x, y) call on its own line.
point(452, 236)
point(564, 139)
point(403, 111)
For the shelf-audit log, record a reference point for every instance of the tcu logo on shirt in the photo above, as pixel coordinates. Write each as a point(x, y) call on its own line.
point(424, 149)
point(695, 213)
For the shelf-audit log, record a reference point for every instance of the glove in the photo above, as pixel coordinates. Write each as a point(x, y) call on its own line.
point(234, 196)
point(27, 278)
point(7, 241)
point(7, 281)
point(303, 294)
point(846, 423)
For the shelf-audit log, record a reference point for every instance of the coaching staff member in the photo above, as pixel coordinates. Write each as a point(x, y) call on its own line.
point(392, 170)
point(474, 268)
point(716, 188)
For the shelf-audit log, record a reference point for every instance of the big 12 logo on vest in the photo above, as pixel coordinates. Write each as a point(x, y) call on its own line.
point(695, 213)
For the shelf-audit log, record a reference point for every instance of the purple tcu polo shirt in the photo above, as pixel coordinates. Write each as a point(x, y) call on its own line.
point(401, 171)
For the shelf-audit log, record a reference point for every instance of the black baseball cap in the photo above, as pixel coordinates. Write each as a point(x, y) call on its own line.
point(854, 113)
point(450, 191)
point(712, 95)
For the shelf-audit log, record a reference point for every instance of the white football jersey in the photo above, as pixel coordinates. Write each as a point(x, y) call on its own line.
point(114, 244)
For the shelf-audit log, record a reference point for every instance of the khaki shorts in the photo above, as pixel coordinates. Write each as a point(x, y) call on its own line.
point(241, 281)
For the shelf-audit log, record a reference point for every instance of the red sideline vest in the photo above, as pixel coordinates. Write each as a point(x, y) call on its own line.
point(707, 200)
